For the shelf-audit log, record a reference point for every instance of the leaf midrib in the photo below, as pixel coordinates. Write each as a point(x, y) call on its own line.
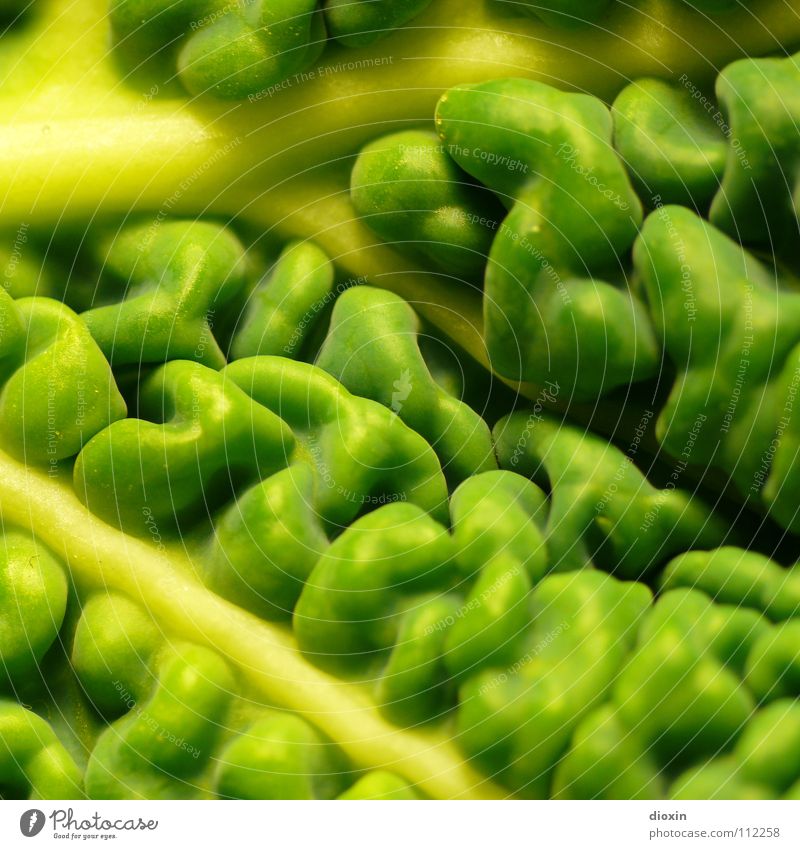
point(101, 558)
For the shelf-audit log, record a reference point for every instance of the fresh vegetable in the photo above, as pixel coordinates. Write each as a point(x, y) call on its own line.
point(398, 400)
point(372, 348)
point(284, 309)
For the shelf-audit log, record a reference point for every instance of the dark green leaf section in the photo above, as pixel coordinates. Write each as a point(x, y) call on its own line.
point(412, 193)
point(726, 322)
point(168, 282)
point(489, 628)
point(547, 155)
point(58, 388)
point(670, 137)
point(603, 509)
point(248, 50)
point(355, 23)
point(731, 332)
point(285, 308)
point(229, 50)
point(372, 348)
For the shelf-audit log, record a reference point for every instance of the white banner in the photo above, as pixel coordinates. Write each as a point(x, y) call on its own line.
point(403, 825)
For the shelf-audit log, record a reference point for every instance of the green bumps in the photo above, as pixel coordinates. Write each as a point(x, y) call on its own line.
point(500, 512)
point(347, 613)
point(187, 729)
point(246, 50)
point(671, 144)
point(411, 193)
point(757, 201)
point(606, 761)
point(114, 643)
point(767, 750)
point(33, 598)
point(158, 750)
point(380, 785)
point(59, 391)
point(763, 764)
point(677, 691)
point(280, 756)
point(732, 333)
point(229, 50)
point(265, 544)
point(717, 779)
point(574, 215)
point(33, 763)
point(285, 308)
point(212, 431)
point(602, 508)
point(773, 664)
point(678, 699)
point(738, 577)
point(517, 722)
point(252, 47)
point(423, 610)
point(498, 532)
point(357, 23)
point(372, 349)
point(682, 146)
point(375, 598)
point(362, 453)
point(141, 474)
point(490, 629)
point(174, 277)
